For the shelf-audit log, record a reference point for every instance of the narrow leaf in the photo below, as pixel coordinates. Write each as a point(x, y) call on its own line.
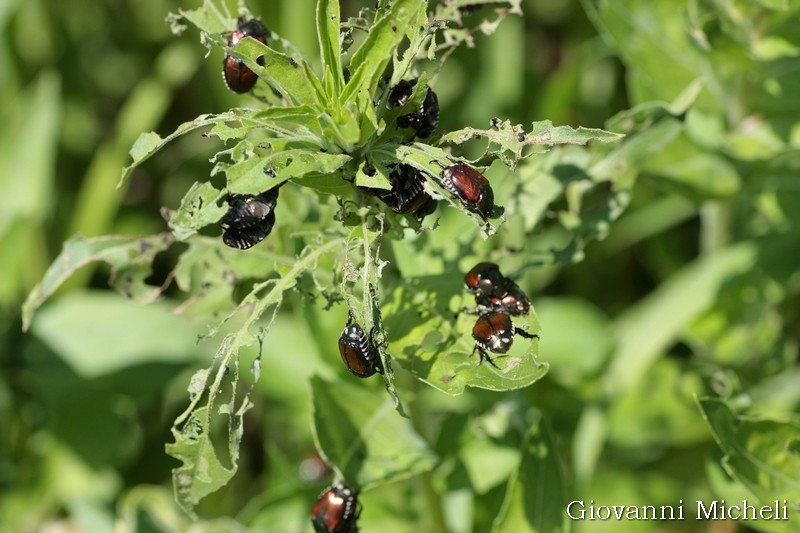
point(329, 47)
point(370, 60)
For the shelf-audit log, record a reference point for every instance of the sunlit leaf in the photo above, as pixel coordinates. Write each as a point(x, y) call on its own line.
point(130, 258)
point(149, 143)
point(359, 432)
point(536, 495)
point(762, 454)
point(430, 337)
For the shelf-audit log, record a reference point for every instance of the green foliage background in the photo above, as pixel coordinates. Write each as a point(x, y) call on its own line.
point(671, 333)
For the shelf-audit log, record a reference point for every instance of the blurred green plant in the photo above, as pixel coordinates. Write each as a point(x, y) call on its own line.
point(672, 243)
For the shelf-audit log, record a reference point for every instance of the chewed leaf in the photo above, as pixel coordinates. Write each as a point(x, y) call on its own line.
point(291, 76)
point(255, 175)
point(371, 58)
point(430, 337)
point(202, 472)
point(509, 141)
point(208, 18)
point(149, 143)
point(200, 207)
point(130, 258)
point(760, 453)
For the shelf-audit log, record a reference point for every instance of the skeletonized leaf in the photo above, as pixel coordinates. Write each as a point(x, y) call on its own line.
point(130, 258)
point(509, 141)
point(199, 208)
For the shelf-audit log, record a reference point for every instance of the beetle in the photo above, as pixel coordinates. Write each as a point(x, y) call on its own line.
point(407, 194)
point(470, 187)
point(514, 301)
point(248, 209)
point(248, 236)
point(494, 332)
point(249, 219)
point(424, 121)
point(426, 118)
point(485, 278)
point(358, 350)
point(336, 510)
point(239, 78)
point(427, 207)
point(401, 93)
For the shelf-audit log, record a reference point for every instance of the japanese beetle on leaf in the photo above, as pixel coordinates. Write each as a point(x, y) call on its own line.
point(358, 351)
point(336, 510)
point(407, 194)
point(238, 78)
point(424, 120)
point(513, 302)
point(248, 236)
point(494, 332)
point(427, 207)
point(495, 292)
point(485, 278)
point(248, 209)
point(249, 218)
point(470, 187)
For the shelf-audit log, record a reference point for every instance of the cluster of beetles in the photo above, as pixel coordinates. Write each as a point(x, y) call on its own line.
point(250, 219)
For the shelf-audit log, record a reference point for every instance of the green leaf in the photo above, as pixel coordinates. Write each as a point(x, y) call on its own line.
point(369, 61)
point(761, 453)
point(431, 338)
point(536, 495)
point(341, 126)
point(693, 173)
point(208, 18)
point(358, 431)
point(650, 111)
point(509, 141)
point(299, 123)
point(291, 76)
point(248, 177)
point(653, 40)
point(378, 179)
point(149, 143)
point(130, 259)
point(199, 207)
point(575, 357)
point(70, 326)
point(202, 472)
point(329, 47)
point(647, 328)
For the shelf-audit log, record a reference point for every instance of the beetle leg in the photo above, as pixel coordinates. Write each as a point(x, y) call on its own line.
point(523, 333)
point(484, 356)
